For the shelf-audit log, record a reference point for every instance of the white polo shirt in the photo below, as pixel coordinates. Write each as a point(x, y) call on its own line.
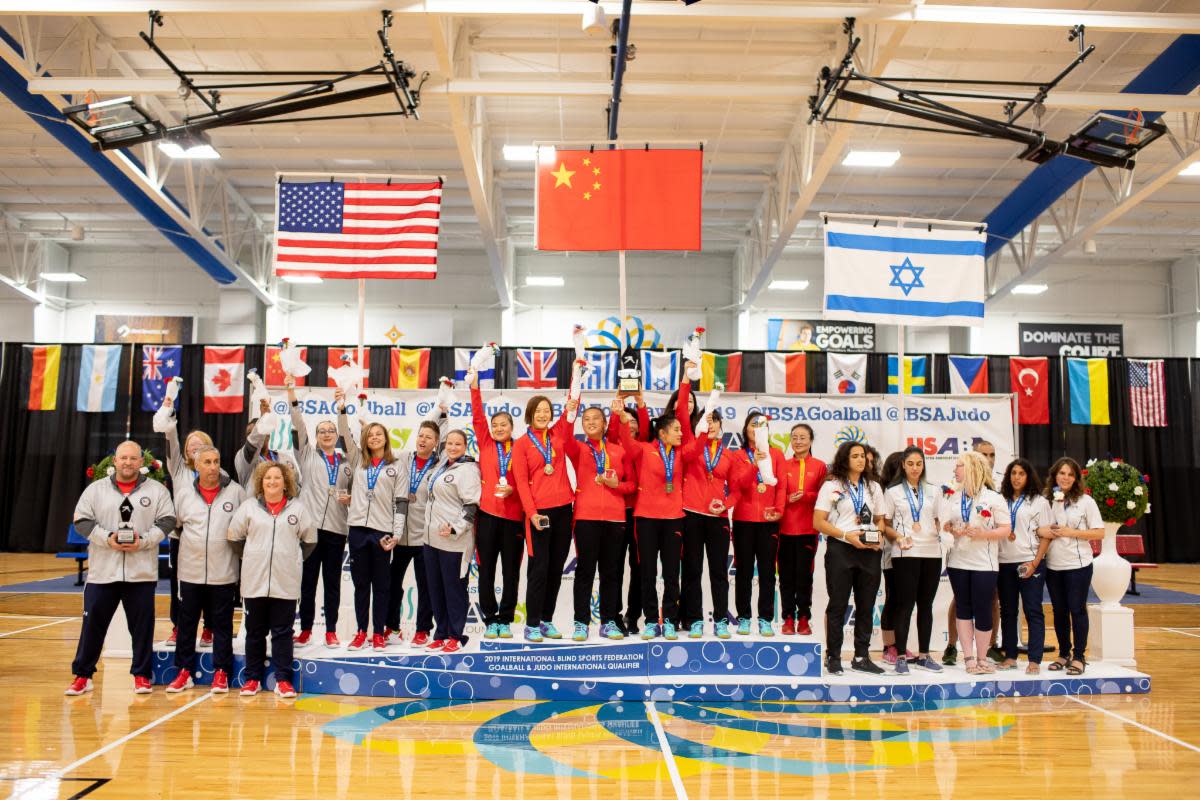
point(902, 499)
point(981, 555)
point(834, 499)
point(1032, 513)
point(1072, 553)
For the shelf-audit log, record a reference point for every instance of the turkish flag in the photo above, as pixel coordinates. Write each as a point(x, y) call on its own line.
point(275, 375)
point(224, 379)
point(620, 200)
point(1031, 384)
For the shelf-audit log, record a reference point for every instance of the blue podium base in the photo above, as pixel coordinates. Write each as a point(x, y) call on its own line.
point(686, 670)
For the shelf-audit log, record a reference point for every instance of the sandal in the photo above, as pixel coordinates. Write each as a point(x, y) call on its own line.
point(986, 666)
point(1007, 664)
point(1033, 669)
point(970, 663)
point(1058, 665)
point(1074, 670)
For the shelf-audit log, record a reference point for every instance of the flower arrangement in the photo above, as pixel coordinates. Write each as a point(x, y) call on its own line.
point(1119, 489)
point(151, 468)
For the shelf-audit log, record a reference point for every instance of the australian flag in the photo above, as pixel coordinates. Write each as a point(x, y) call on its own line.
point(159, 365)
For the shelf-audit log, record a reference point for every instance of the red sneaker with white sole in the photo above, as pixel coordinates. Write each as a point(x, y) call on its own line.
point(141, 685)
point(789, 627)
point(420, 639)
point(358, 642)
point(285, 689)
point(452, 646)
point(331, 640)
point(182, 681)
point(250, 688)
point(302, 638)
point(220, 684)
point(79, 686)
point(802, 627)
point(206, 638)
point(436, 644)
point(378, 642)
point(169, 642)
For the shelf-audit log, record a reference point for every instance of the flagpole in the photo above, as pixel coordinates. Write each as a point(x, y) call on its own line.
point(621, 282)
point(900, 376)
point(362, 318)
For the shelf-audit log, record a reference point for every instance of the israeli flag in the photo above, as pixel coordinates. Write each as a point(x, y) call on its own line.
point(904, 276)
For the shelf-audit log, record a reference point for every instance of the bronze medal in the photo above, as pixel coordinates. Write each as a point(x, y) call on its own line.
point(670, 488)
point(762, 488)
point(599, 480)
point(916, 527)
point(548, 469)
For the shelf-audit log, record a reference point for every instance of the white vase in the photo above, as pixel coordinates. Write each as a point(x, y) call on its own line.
point(1110, 572)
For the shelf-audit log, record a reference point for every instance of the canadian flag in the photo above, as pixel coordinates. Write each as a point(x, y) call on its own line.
point(224, 379)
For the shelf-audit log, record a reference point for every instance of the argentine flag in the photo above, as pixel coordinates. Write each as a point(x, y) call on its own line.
point(98, 369)
point(904, 276)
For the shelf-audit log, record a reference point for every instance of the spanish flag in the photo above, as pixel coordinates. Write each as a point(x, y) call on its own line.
point(1088, 380)
point(42, 393)
point(410, 368)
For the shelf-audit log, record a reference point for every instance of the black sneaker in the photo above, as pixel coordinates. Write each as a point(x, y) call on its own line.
point(834, 667)
point(866, 665)
point(995, 654)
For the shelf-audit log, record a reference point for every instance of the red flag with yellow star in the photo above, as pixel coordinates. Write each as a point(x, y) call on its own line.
point(619, 200)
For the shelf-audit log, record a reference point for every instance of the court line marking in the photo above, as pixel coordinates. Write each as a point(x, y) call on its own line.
point(668, 756)
point(1183, 633)
point(36, 616)
point(35, 627)
point(59, 773)
point(1136, 724)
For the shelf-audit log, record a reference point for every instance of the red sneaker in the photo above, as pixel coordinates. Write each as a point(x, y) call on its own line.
point(420, 639)
point(141, 685)
point(79, 686)
point(284, 689)
point(250, 688)
point(169, 642)
point(789, 627)
point(182, 681)
point(206, 637)
point(436, 644)
point(331, 639)
point(220, 684)
point(358, 642)
point(803, 628)
point(302, 638)
point(452, 646)
point(378, 642)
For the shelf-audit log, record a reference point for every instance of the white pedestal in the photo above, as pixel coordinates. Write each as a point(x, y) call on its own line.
point(1110, 638)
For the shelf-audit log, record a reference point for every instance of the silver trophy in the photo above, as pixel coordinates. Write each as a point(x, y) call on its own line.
point(870, 533)
point(125, 533)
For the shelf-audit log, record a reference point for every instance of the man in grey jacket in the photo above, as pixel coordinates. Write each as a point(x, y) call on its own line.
point(124, 518)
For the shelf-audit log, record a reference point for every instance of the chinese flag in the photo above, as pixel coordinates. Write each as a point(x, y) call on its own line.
point(275, 376)
point(619, 200)
point(1031, 384)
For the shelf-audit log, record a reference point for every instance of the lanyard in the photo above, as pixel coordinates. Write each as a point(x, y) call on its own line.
point(415, 477)
point(270, 456)
point(712, 456)
point(331, 467)
point(668, 457)
point(919, 496)
point(373, 475)
point(1012, 511)
point(754, 463)
point(600, 457)
point(433, 481)
point(859, 498)
point(504, 456)
point(546, 449)
point(964, 507)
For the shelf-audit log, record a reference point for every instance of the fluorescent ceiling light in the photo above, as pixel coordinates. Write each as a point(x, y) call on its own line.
point(546, 154)
point(301, 278)
point(543, 280)
point(520, 152)
point(1192, 170)
point(199, 150)
point(1029, 288)
point(63, 277)
point(787, 286)
point(871, 158)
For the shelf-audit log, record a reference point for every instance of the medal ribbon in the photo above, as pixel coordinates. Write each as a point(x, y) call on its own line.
point(504, 456)
point(1012, 511)
point(915, 507)
point(712, 456)
point(965, 507)
point(753, 463)
point(414, 479)
point(546, 449)
point(600, 457)
point(331, 467)
point(373, 471)
point(859, 498)
point(668, 459)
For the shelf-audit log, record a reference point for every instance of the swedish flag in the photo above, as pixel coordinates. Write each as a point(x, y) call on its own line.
point(914, 375)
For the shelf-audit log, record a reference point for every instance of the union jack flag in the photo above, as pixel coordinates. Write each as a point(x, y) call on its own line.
point(537, 369)
point(159, 365)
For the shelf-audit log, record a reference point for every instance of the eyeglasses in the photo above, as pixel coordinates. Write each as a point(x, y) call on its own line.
point(323, 431)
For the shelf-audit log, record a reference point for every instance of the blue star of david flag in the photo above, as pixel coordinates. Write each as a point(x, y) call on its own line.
point(904, 276)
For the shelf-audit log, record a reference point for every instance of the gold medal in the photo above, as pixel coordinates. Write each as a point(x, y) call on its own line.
point(548, 469)
point(670, 488)
point(599, 480)
point(762, 488)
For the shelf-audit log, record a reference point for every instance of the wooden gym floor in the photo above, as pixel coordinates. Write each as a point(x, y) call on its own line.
point(113, 743)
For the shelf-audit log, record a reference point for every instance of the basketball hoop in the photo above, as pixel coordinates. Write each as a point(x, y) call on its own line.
point(89, 99)
point(1132, 132)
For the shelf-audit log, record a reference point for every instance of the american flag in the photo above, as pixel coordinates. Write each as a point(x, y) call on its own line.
point(1148, 393)
point(357, 230)
point(537, 369)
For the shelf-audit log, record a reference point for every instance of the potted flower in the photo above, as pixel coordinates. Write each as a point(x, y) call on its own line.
point(1122, 494)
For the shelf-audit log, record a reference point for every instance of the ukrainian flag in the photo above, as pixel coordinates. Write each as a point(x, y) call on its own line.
point(914, 375)
point(1088, 379)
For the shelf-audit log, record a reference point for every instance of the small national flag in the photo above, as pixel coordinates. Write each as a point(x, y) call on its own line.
point(224, 376)
point(726, 369)
point(275, 375)
point(159, 365)
point(410, 368)
point(1088, 380)
point(603, 370)
point(42, 392)
point(847, 373)
point(98, 370)
point(335, 360)
point(358, 230)
point(462, 362)
point(537, 369)
point(914, 375)
point(1148, 393)
point(787, 373)
point(968, 374)
point(660, 370)
point(1031, 384)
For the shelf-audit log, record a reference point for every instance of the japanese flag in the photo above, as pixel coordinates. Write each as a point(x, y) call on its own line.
point(224, 379)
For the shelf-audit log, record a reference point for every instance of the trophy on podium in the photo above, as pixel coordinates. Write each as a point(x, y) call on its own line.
point(125, 533)
point(870, 533)
point(629, 372)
